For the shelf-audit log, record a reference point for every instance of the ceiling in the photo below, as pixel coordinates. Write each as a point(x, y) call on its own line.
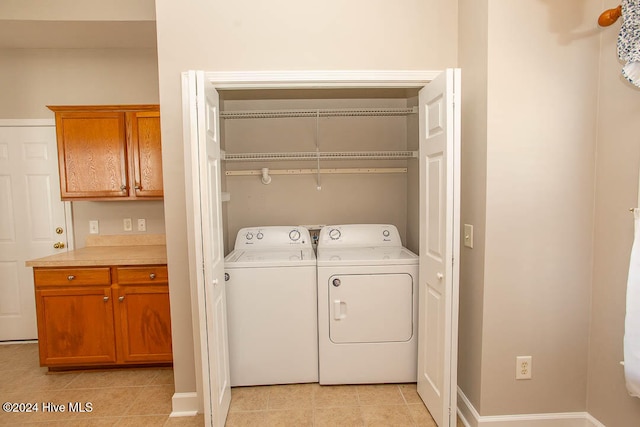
point(23, 34)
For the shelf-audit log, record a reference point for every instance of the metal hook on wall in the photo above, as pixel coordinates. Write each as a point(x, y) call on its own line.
point(265, 178)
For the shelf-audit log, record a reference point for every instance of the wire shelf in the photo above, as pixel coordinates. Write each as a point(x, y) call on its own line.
point(327, 155)
point(334, 112)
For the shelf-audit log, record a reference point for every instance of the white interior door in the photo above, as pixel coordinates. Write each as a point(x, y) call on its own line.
point(30, 213)
point(439, 133)
point(204, 138)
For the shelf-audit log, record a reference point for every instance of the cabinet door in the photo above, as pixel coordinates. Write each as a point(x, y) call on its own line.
point(92, 154)
point(75, 326)
point(146, 150)
point(145, 323)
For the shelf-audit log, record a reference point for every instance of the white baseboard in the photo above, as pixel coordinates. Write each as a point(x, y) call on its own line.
point(471, 418)
point(184, 405)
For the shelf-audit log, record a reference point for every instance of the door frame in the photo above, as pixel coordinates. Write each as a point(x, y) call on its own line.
point(331, 79)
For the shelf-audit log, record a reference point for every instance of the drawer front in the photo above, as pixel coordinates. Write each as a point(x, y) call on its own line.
point(72, 276)
point(146, 274)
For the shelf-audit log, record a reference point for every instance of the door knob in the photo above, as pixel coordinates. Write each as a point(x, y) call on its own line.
point(59, 230)
point(439, 276)
point(58, 245)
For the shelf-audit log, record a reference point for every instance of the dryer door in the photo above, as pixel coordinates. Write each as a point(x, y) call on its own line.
point(369, 308)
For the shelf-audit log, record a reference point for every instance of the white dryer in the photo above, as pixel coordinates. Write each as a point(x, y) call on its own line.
point(272, 307)
point(367, 305)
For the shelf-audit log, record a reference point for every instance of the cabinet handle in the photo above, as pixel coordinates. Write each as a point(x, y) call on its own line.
point(71, 277)
point(152, 276)
point(105, 299)
point(138, 187)
point(121, 298)
point(123, 188)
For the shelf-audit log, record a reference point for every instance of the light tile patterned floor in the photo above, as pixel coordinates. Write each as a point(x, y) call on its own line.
point(142, 397)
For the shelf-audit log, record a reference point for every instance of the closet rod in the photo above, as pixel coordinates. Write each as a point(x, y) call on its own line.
point(319, 112)
point(326, 155)
point(315, 171)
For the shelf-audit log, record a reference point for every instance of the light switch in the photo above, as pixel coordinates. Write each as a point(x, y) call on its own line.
point(468, 235)
point(94, 228)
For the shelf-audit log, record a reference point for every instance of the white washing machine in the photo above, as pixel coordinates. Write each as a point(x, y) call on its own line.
point(272, 307)
point(367, 305)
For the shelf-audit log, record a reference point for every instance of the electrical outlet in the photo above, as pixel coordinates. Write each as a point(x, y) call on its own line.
point(127, 224)
point(142, 224)
point(523, 367)
point(93, 227)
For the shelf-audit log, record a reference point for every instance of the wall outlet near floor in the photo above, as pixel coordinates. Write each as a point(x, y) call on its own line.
point(523, 367)
point(142, 224)
point(93, 227)
point(126, 224)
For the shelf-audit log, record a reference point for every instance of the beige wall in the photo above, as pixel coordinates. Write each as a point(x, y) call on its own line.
point(280, 35)
point(541, 133)
point(473, 52)
point(618, 154)
point(110, 216)
point(31, 79)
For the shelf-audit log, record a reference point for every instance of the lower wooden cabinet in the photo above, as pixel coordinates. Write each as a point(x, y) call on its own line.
point(142, 311)
point(100, 316)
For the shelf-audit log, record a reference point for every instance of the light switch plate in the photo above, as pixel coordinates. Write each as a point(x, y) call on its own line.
point(93, 227)
point(126, 223)
point(468, 235)
point(142, 224)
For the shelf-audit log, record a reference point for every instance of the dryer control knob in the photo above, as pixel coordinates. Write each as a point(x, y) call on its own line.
point(249, 236)
point(336, 282)
point(294, 235)
point(334, 234)
point(386, 233)
point(259, 236)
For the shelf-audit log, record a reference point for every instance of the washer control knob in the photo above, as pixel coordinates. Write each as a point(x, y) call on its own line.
point(334, 234)
point(336, 282)
point(249, 236)
point(386, 233)
point(294, 235)
point(259, 235)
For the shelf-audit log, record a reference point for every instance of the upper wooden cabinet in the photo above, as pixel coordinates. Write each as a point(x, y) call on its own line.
point(109, 152)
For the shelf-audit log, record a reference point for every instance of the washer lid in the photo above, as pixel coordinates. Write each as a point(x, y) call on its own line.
point(366, 256)
point(272, 258)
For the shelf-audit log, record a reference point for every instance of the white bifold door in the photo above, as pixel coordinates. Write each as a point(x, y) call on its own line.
point(206, 242)
point(439, 152)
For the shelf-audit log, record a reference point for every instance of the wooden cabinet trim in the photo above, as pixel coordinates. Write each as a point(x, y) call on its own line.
point(121, 107)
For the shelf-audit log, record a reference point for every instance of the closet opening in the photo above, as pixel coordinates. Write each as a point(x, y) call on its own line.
point(332, 156)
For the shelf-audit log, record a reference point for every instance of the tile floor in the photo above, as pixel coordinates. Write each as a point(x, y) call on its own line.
point(142, 397)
